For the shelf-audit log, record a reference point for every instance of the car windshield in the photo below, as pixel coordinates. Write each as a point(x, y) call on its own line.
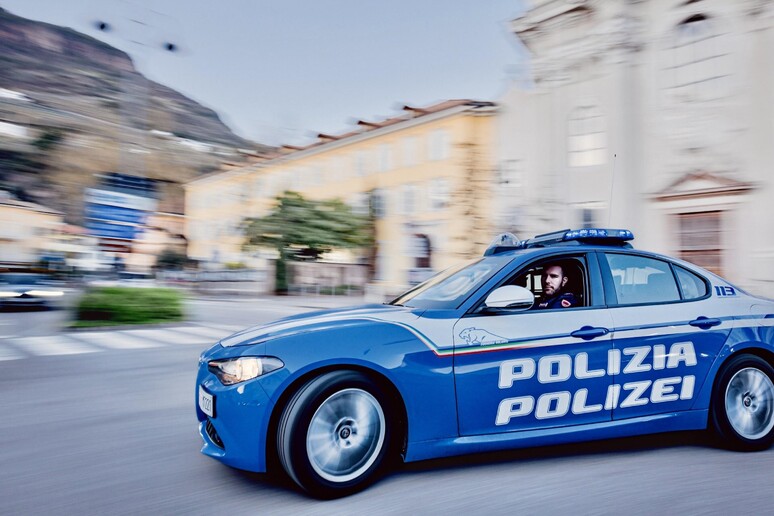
point(23, 279)
point(450, 288)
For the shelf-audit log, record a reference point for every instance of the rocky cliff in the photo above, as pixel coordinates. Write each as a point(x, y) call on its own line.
point(72, 107)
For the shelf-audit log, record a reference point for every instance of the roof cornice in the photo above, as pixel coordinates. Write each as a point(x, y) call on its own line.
point(474, 107)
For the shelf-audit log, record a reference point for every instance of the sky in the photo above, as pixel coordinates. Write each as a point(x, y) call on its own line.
point(281, 71)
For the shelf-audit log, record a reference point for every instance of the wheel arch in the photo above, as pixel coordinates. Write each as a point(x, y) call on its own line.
point(750, 348)
point(401, 432)
point(765, 354)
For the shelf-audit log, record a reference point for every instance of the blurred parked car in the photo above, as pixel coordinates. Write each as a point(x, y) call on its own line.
point(22, 289)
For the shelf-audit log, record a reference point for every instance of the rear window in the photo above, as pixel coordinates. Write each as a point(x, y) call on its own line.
point(691, 285)
point(642, 280)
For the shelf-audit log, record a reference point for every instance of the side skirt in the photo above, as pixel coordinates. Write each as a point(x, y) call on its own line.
point(671, 422)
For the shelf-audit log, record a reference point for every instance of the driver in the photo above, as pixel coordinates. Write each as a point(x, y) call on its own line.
point(554, 281)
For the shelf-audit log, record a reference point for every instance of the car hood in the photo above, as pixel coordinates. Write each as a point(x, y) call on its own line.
point(314, 321)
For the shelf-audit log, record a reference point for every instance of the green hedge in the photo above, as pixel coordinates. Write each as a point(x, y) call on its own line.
point(125, 305)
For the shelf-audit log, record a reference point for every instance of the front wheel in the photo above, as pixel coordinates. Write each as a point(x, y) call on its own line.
point(335, 434)
point(743, 403)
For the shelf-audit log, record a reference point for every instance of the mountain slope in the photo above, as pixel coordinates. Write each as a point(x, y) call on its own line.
point(72, 108)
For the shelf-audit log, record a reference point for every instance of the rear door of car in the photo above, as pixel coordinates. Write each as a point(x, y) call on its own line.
point(668, 331)
point(535, 369)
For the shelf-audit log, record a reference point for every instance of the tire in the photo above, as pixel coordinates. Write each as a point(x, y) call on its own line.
point(743, 404)
point(335, 434)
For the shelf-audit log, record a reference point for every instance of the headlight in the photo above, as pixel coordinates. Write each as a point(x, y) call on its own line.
point(237, 370)
point(7, 293)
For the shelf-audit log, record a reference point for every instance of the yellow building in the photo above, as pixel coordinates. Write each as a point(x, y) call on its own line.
point(26, 230)
point(428, 173)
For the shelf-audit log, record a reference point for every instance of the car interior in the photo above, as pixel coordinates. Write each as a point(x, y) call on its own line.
point(573, 269)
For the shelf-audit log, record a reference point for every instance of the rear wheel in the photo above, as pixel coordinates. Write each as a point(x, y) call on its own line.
point(743, 403)
point(335, 434)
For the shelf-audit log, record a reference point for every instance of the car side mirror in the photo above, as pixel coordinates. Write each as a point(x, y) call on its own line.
point(510, 298)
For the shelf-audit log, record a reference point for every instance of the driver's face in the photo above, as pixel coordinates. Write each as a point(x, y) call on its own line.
point(553, 280)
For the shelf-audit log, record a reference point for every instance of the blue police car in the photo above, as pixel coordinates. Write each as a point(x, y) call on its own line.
point(564, 337)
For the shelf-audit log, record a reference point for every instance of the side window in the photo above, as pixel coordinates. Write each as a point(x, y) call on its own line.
point(692, 286)
point(576, 282)
point(640, 280)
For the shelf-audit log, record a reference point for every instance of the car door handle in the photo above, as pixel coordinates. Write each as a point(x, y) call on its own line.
point(589, 332)
point(704, 323)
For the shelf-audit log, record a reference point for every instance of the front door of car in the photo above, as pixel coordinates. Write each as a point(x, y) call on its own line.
point(536, 368)
point(668, 331)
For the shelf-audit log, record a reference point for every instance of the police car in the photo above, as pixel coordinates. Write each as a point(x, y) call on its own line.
point(482, 357)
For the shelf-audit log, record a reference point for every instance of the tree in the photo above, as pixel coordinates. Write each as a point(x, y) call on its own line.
point(48, 140)
point(299, 228)
point(170, 259)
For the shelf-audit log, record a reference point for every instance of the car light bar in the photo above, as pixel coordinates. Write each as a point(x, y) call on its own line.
point(591, 236)
point(586, 235)
point(616, 234)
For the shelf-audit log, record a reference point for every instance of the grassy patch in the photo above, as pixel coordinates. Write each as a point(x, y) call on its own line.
point(107, 306)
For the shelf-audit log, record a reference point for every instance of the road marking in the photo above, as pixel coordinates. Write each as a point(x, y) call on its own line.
point(74, 343)
point(6, 353)
point(54, 345)
point(225, 327)
point(213, 334)
point(169, 336)
point(115, 340)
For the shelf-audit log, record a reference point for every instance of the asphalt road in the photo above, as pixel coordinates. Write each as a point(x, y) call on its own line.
point(114, 432)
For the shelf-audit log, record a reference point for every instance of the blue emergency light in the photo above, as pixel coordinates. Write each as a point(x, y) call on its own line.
point(586, 236)
point(614, 235)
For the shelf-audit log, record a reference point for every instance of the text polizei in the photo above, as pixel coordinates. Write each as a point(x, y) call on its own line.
point(560, 368)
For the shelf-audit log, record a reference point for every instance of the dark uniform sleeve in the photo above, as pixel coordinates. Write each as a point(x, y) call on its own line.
point(565, 300)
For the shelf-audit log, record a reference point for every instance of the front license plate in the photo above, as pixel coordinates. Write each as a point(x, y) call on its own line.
point(206, 402)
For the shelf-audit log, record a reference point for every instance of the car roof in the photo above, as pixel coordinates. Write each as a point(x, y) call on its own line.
point(537, 252)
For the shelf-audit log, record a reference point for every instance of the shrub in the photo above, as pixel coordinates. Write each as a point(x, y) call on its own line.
point(170, 259)
point(125, 305)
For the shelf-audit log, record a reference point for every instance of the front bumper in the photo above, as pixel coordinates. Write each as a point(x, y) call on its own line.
point(236, 435)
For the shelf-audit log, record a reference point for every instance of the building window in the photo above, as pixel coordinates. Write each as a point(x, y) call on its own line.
point(410, 147)
point(338, 169)
point(699, 68)
point(439, 145)
point(360, 163)
point(700, 239)
point(422, 251)
point(382, 260)
point(587, 137)
point(587, 218)
point(409, 199)
point(385, 158)
point(379, 202)
point(439, 194)
point(360, 203)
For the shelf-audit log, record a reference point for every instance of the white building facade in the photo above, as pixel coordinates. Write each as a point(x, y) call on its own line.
point(653, 115)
